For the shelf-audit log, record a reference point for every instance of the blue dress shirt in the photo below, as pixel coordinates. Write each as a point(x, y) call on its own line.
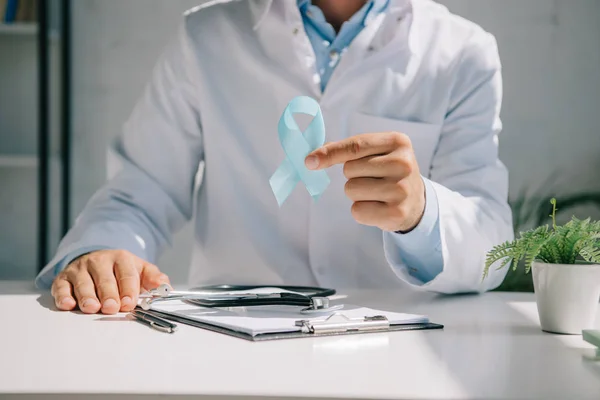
point(327, 45)
point(420, 248)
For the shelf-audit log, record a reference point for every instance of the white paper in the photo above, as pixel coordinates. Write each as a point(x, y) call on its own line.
point(272, 319)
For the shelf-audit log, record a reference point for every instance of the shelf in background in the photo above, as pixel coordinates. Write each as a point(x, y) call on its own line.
point(24, 29)
point(15, 161)
point(18, 29)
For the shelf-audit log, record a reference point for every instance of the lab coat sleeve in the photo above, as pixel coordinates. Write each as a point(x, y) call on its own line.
point(152, 169)
point(469, 180)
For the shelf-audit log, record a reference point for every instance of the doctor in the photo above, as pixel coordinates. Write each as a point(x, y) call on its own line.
point(410, 95)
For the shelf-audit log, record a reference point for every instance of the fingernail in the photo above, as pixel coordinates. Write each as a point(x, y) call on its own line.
point(89, 303)
point(164, 278)
point(312, 162)
point(126, 301)
point(66, 302)
point(110, 303)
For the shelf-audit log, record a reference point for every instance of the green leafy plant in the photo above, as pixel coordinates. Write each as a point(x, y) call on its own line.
point(532, 208)
point(577, 240)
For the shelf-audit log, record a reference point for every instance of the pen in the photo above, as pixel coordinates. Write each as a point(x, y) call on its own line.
point(153, 321)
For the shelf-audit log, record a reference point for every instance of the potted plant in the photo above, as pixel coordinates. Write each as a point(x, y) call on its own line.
point(565, 261)
point(532, 208)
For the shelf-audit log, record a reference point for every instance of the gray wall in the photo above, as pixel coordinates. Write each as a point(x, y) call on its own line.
point(550, 52)
point(19, 146)
point(18, 128)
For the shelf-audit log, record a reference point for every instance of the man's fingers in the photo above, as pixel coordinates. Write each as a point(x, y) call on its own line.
point(372, 213)
point(128, 280)
point(84, 289)
point(152, 277)
point(103, 274)
point(62, 291)
point(354, 148)
point(395, 165)
point(107, 280)
point(375, 189)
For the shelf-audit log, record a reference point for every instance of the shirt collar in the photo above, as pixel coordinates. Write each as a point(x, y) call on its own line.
point(366, 14)
point(260, 9)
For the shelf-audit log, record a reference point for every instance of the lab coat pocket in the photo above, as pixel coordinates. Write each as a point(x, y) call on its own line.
point(424, 136)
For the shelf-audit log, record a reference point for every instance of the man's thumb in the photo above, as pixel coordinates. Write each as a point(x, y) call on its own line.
point(152, 277)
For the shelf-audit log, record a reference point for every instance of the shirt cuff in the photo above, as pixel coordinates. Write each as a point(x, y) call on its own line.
point(418, 252)
point(426, 227)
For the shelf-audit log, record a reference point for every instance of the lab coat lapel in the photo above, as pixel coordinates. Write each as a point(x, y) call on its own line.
point(280, 31)
point(387, 30)
point(358, 48)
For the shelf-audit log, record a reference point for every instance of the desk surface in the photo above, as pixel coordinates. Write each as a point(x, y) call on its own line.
point(491, 347)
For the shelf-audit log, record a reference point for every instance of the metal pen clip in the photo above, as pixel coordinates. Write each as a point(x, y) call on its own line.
point(153, 321)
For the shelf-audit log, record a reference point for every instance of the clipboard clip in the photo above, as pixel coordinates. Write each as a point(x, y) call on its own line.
point(339, 323)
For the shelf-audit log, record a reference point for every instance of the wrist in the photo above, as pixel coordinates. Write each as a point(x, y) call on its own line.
point(420, 210)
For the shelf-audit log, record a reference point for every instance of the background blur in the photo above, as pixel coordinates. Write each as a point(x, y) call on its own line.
point(70, 75)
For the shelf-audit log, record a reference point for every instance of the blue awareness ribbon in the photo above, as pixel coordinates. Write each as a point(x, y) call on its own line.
point(297, 145)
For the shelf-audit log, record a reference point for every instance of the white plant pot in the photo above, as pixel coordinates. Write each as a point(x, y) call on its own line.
point(567, 296)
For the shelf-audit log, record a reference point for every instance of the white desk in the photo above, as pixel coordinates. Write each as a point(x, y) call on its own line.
point(491, 347)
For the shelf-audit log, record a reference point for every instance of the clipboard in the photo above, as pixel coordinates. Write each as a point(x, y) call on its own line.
point(335, 324)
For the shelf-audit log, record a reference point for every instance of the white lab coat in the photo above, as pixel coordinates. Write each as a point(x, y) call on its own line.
point(214, 100)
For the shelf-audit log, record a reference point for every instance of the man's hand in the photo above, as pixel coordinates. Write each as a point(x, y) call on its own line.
point(105, 280)
point(383, 178)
